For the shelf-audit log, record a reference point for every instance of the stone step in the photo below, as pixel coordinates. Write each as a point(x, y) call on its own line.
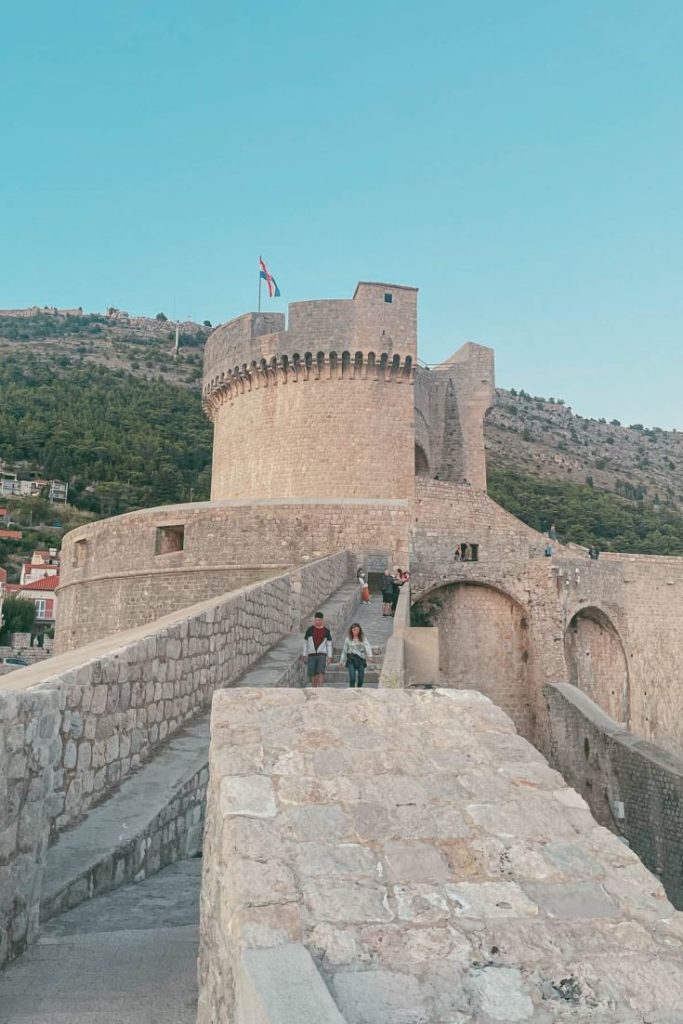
point(154, 818)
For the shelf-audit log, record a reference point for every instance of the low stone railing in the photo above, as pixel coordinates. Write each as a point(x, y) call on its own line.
point(632, 786)
point(72, 728)
point(412, 652)
point(393, 674)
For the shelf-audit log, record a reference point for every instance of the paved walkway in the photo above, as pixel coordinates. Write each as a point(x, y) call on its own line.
point(128, 957)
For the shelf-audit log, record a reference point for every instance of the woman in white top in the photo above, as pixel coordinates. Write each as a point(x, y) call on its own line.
point(355, 654)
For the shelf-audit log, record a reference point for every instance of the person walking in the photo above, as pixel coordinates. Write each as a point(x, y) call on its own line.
point(317, 650)
point(399, 580)
point(362, 578)
point(387, 585)
point(355, 654)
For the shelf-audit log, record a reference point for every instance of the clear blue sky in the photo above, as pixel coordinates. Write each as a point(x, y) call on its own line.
point(521, 162)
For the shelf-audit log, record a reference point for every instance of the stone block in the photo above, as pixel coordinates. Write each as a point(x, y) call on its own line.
point(252, 796)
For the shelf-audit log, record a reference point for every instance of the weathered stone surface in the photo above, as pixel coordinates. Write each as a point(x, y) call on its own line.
point(479, 892)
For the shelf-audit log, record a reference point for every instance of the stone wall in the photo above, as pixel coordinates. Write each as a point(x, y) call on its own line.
point(365, 323)
point(30, 750)
point(333, 436)
point(112, 578)
point(612, 625)
point(72, 729)
point(630, 785)
point(429, 862)
point(122, 696)
point(451, 400)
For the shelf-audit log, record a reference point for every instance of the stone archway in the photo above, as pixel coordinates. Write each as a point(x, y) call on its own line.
point(596, 662)
point(421, 461)
point(483, 645)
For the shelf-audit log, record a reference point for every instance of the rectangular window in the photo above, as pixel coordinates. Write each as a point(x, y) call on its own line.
point(168, 539)
point(40, 608)
point(388, 297)
point(80, 551)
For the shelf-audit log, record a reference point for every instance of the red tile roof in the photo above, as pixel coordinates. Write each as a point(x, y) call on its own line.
point(10, 535)
point(46, 583)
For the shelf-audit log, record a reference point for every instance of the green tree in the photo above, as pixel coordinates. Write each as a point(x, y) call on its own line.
point(18, 616)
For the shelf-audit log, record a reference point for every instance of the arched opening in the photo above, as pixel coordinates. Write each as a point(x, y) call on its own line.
point(596, 662)
point(483, 645)
point(421, 461)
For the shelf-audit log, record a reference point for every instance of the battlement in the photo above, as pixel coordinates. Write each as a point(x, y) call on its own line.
point(380, 318)
point(292, 369)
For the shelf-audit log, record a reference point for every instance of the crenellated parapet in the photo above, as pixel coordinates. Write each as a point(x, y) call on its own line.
point(297, 368)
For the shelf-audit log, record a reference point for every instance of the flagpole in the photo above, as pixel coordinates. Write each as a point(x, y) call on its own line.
point(259, 289)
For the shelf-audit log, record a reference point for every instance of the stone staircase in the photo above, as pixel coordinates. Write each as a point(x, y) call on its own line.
point(377, 629)
point(155, 817)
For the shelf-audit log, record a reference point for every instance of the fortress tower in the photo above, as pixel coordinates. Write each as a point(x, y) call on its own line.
point(321, 409)
point(325, 430)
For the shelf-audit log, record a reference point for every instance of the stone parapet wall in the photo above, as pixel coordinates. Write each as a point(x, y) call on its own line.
point(428, 860)
point(94, 608)
point(30, 750)
point(122, 696)
point(73, 728)
point(630, 785)
point(120, 582)
point(318, 580)
point(365, 323)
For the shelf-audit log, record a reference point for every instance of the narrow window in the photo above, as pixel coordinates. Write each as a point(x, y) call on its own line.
point(388, 297)
point(169, 538)
point(80, 551)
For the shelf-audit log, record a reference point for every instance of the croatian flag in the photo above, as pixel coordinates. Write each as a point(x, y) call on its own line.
point(273, 290)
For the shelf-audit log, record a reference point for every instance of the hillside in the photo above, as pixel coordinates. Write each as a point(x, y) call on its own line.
point(138, 345)
point(544, 439)
point(101, 400)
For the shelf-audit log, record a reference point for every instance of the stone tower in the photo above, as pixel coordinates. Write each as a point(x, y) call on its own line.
point(320, 409)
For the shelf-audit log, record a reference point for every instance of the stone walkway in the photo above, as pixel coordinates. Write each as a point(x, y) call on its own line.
point(128, 957)
point(378, 630)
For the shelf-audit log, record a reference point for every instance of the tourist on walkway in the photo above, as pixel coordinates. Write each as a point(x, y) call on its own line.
point(387, 585)
point(355, 654)
point(362, 578)
point(317, 650)
point(399, 579)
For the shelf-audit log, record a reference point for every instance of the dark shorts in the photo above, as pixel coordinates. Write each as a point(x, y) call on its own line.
point(316, 665)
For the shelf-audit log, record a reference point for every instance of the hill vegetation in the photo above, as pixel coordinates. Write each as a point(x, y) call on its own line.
point(102, 402)
point(584, 515)
point(122, 442)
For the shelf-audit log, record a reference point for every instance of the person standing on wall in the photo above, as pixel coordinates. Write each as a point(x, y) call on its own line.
point(399, 579)
point(355, 655)
point(317, 650)
point(362, 578)
point(387, 585)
